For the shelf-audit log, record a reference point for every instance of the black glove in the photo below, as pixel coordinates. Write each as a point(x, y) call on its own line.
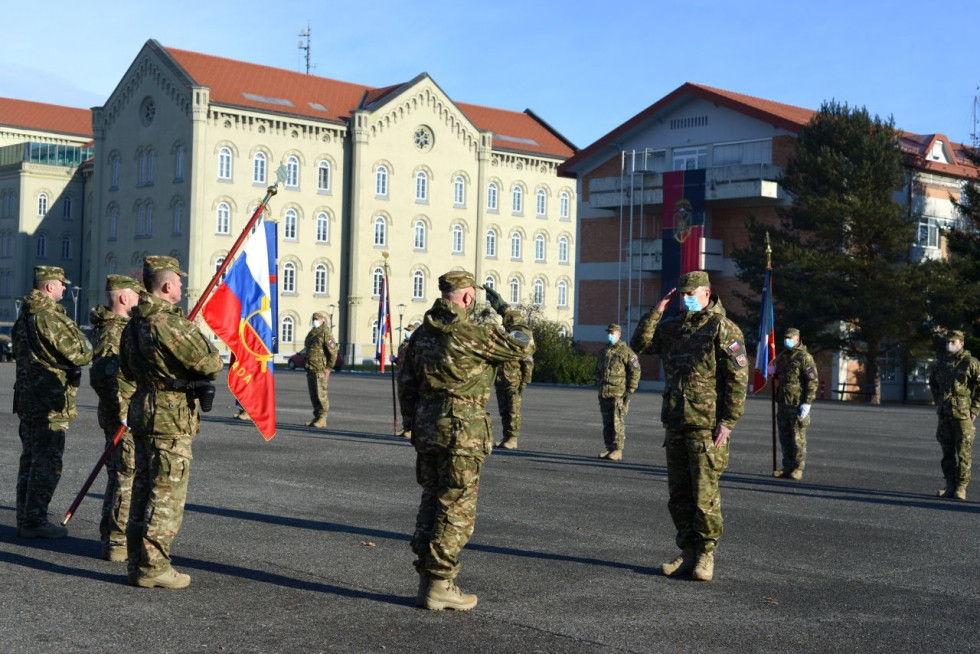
point(494, 299)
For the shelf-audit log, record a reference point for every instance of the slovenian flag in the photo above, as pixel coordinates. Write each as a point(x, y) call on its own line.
point(243, 314)
point(384, 322)
point(766, 353)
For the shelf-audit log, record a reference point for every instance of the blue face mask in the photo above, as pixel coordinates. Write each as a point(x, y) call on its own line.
point(612, 338)
point(789, 342)
point(691, 303)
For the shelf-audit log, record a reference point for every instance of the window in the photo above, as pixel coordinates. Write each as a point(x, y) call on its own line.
point(418, 285)
point(148, 221)
point(515, 245)
point(380, 231)
point(114, 173)
point(141, 169)
point(224, 163)
point(320, 279)
point(178, 217)
point(42, 205)
point(517, 200)
point(457, 239)
point(377, 281)
point(66, 208)
point(539, 248)
point(541, 202)
point(690, 158)
point(563, 293)
point(289, 225)
point(490, 282)
point(258, 168)
point(562, 249)
point(323, 176)
point(459, 191)
point(419, 235)
point(289, 277)
point(381, 181)
point(928, 235)
point(140, 220)
point(322, 228)
point(217, 267)
point(421, 187)
point(41, 249)
point(538, 292)
point(66, 248)
point(491, 243)
point(292, 172)
point(374, 331)
point(179, 164)
point(563, 205)
point(223, 225)
point(492, 196)
point(515, 290)
point(113, 222)
point(151, 164)
point(286, 329)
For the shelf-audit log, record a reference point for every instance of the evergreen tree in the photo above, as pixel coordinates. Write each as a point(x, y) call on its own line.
point(958, 306)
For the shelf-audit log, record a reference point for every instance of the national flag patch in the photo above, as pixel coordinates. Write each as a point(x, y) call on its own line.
point(735, 347)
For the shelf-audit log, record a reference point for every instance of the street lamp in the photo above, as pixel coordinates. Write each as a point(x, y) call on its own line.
point(74, 298)
point(330, 309)
point(17, 308)
point(401, 312)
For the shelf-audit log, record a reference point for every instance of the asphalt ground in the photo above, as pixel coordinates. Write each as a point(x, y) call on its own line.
point(301, 544)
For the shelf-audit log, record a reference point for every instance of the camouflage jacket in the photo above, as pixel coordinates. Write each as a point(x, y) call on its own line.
point(160, 349)
point(48, 345)
point(445, 379)
point(617, 370)
point(515, 375)
point(796, 372)
point(705, 364)
point(955, 386)
point(321, 349)
point(105, 375)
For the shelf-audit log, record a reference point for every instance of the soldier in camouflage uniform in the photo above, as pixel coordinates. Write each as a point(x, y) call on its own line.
point(50, 350)
point(171, 362)
point(706, 374)
point(321, 355)
point(444, 386)
point(511, 380)
point(114, 393)
point(796, 388)
point(955, 386)
point(617, 374)
point(406, 433)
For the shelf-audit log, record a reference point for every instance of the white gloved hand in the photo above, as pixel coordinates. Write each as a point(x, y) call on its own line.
point(804, 411)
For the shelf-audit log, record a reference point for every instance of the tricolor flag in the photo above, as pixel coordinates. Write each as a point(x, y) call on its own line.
point(384, 322)
point(766, 353)
point(243, 313)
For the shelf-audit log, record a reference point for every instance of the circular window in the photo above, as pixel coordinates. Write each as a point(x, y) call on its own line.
point(148, 109)
point(423, 138)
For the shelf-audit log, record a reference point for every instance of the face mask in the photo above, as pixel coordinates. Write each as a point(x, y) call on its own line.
point(317, 323)
point(612, 338)
point(953, 348)
point(691, 303)
point(789, 342)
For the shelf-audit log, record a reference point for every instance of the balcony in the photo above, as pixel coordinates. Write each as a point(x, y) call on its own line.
point(646, 254)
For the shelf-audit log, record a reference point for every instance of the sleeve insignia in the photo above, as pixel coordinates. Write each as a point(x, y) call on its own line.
point(740, 360)
point(634, 362)
point(735, 347)
point(811, 372)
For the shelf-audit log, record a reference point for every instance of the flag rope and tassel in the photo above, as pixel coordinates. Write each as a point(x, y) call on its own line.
point(272, 190)
point(384, 332)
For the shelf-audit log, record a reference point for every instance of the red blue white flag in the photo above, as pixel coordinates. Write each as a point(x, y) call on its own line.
point(384, 322)
point(243, 314)
point(766, 353)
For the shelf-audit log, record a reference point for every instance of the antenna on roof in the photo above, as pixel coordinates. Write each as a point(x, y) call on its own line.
point(975, 135)
point(306, 46)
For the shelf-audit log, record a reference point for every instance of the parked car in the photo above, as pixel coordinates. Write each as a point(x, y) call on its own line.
point(6, 344)
point(298, 360)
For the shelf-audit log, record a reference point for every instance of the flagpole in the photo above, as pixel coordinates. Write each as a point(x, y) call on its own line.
point(394, 402)
point(772, 393)
point(259, 210)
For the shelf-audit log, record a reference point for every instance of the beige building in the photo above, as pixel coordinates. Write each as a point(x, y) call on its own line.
point(187, 144)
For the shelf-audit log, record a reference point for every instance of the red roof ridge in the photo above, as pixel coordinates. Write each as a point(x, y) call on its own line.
point(43, 116)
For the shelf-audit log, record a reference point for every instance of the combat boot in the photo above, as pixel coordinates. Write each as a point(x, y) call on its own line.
point(779, 474)
point(169, 579)
point(947, 492)
point(682, 565)
point(960, 492)
point(405, 433)
point(47, 530)
point(615, 455)
point(242, 415)
point(445, 594)
point(705, 569)
point(115, 554)
point(424, 580)
point(604, 454)
point(508, 444)
point(796, 474)
point(320, 423)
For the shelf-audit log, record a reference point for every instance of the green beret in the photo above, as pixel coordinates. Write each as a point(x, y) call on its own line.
point(50, 273)
point(792, 332)
point(955, 335)
point(120, 282)
point(455, 280)
point(156, 264)
point(693, 280)
point(613, 327)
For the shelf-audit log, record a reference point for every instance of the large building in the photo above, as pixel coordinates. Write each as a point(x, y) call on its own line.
point(187, 144)
point(742, 145)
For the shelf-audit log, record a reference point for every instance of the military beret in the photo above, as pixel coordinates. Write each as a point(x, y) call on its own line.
point(156, 264)
point(791, 332)
point(120, 282)
point(50, 273)
point(318, 315)
point(455, 280)
point(613, 327)
point(955, 335)
point(693, 280)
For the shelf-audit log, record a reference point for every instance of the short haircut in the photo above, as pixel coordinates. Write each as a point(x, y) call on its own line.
point(155, 281)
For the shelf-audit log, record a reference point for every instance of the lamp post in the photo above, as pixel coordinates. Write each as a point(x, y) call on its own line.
point(401, 312)
point(330, 309)
point(74, 298)
point(17, 308)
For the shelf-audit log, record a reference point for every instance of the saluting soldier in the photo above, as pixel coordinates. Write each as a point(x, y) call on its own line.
point(955, 386)
point(50, 350)
point(321, 355)
point(796, 388)
point(617, 373)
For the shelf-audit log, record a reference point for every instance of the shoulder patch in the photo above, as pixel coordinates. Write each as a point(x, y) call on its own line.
point(737, 354)
point(741, 361)
point(811, 372)
point(634, 362)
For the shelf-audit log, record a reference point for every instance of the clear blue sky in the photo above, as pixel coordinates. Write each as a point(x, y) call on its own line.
point(584, 66)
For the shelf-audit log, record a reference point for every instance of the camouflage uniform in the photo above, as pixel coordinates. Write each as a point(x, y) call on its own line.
point(617, 373)
point(706, 374)
point(321, 355)
point(162, 351)
point(796, 375)
point(511, 380)
point(49, 349)
point(444, 386)
point(955, 386)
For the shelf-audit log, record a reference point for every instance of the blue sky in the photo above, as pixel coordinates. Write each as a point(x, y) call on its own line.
point(584, 67)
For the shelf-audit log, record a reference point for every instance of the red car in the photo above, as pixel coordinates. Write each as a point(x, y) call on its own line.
point(298, 360)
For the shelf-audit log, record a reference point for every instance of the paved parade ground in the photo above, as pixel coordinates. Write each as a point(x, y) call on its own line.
point(301, 544)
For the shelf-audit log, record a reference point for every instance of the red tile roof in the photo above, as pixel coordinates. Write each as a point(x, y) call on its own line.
point(522, 132)
point(45, 117)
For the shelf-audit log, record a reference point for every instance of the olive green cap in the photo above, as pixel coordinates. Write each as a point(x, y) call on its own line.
point(120, 282)
point(50, 273)
point(613, 327)
point(156, 264)
point(455, 280)
point(318, 315)
point(692, 281)
point(791, 332)
point(955, 335)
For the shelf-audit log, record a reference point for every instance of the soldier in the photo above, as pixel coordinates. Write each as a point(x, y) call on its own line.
point(114, 392)
point(617, 373)
point(321, 355)
point(706, 374)
point(511, 380)
point(955, 386)
point(172, 363)
point(796, 375)
point(50, 350)
point(406, 433)
point(444, 386)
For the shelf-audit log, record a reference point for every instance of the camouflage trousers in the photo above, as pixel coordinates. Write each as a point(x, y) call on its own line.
point(613, 426)
point(694, 468)
point(955, 437)
point(792, 436)
point(509, 401)
point(447, 512)
point(120, 469)
point(163, 467)
point(317, 383)
point(42, 448)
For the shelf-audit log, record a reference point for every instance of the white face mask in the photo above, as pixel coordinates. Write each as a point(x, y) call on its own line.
point(317, 323)
point(953, 347)
point(612, 338)
point(789, 342)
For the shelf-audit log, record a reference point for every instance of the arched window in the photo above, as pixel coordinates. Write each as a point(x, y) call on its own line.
point(151, 164)
point(515, 245)
point(323, 176)
point(517, 200)
point(541, 203)
point(224, 163)
point(289, 228)
point(562, 249)
point(41, 246)
point(320, 279)
point(258, 168)
point(418, 285)
point(178, 164)
point(490, 282)
point(289, 277)
point(491, 242)
point(538, 292)
point(66, 208)
point(110, 265)
point(66, 248)
point(141, 168)
point(178, 217)
point(492, 196)
point(114, 172)
point(322, 228)
point(459, 191)
point(292, 172)
point(563, 205)
point(287, 329)
point(421, 186)
point(380, 231)
point(515, 290)
point(381, 181)
point(113, 222)
point(223, 225)
point(140, 220)
point(457, 239)
point(419, 235)
point(148, 221)
point(374, 331)
point(539, 248)
point(217, 267)
point(563, 293)
point(377, 281)
point(42, 205)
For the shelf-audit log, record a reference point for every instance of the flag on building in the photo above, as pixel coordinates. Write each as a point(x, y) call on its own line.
point(384, 322)
point(243, 314)
point(766, 353)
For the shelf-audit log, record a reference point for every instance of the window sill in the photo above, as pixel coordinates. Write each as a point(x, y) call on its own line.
point(324, 191)
point(418, 201)
point(493, 211)
point(381, 197)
